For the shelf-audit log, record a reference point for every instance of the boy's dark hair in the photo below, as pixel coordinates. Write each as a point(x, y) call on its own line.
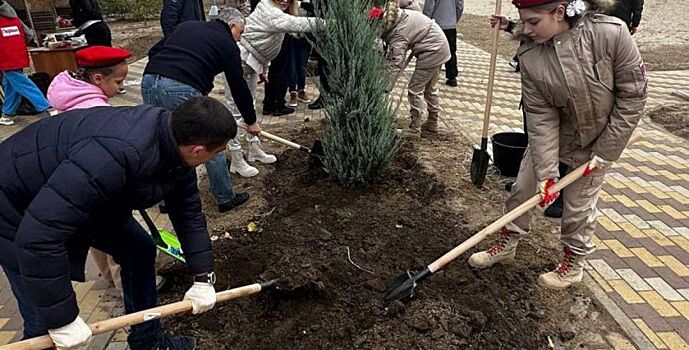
point(202, 121)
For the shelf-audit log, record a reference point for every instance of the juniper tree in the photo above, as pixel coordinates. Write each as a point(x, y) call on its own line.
point(360, 139)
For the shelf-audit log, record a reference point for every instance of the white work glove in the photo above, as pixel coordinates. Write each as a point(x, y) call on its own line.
point(71, 336)
point(202, 296)
point(596, 164)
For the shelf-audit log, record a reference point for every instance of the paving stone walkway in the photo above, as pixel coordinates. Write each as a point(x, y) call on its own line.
point(641, 269)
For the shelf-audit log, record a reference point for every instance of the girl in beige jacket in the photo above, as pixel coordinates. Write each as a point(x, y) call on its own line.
point(405, 30)
point(584, 89)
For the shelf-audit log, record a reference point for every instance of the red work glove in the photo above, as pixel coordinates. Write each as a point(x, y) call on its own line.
point(633, 30)
point(547, 195)
point(595, 164)
point(375, 13)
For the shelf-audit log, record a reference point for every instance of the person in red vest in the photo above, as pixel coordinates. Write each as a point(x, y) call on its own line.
point(14, 35)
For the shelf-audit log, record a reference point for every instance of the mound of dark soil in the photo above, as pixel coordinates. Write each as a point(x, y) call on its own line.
point(316, 234)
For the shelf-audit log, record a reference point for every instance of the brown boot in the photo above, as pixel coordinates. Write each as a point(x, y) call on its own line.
point(568, 272)
point(415, 124)
point(502, 252)
point(431, 124)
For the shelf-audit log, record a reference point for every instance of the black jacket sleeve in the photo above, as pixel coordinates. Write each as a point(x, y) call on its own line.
point(238, 86)
point(637, 8)
point(184, 206)
point(95, 171)
point(170, 15)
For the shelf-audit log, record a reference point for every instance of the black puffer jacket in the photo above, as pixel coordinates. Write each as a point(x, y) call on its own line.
point(629, 11)
point(84, 10)
point(175, 12)
point(67, 180)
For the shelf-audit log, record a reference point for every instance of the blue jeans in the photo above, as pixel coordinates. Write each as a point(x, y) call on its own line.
point(300, 51)
point(168, 93)
point(31, 327)
point(16, 84)
point(134, 250)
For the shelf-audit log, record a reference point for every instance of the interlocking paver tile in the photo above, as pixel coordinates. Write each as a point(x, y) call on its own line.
point(650, 334)
point(675, 265)
point(673, 341)
point(618, 248)
point(633, 279)
point(658, 237)
point(664, 289)
point(6, 336)
point(602, 267)
point(649, 259)
point(626, 292)
point(659, 304)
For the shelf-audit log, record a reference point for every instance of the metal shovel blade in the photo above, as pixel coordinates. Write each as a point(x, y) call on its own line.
point(479, 164)
point(402, 287)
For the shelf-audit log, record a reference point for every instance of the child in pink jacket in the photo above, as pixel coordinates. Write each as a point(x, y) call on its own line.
point(101, 75)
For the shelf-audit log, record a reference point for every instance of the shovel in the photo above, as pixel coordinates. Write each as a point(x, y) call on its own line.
point(403, 286)
point(479, 160)
point(315, 153)
point(166, 241)
point(45, 342)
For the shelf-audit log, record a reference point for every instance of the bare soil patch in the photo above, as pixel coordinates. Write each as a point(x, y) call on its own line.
point(674, 118)
point(422, 207)
point(136, 36)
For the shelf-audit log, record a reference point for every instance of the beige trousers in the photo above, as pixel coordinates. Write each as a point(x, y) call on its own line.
point(423, 85)
point(109, 269)
point(251, 78)
point(580, 198)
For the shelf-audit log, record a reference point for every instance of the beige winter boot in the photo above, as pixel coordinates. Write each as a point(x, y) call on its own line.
point(239, 165)
point(431, 124)
point(568, 272)
point(502, 252)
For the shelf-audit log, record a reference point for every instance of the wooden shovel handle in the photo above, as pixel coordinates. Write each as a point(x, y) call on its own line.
point(44, 342)
point(275, 138)
point(491, 72)
point(513, 214)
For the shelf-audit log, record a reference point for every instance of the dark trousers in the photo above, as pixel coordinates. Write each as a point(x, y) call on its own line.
point(134, 250)
point(98, 34)
point(451, 65)
point(300, 51)
point(278, 77)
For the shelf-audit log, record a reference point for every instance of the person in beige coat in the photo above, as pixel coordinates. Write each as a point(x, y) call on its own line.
point(584, 88)
point(405, 30)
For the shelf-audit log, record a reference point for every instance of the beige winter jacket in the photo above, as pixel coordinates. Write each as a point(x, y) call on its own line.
point(584, 92)
point(412, 5)
point(418, 33)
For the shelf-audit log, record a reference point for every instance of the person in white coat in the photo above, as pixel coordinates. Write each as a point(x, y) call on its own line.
point(261, 41)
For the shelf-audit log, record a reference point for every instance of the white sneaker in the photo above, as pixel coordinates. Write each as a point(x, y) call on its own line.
point(6, 121)
point(240, 166)
point(257, 154)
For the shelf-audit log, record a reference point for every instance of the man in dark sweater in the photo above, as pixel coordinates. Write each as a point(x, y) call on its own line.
point(74, 181)
point(87, 17)
point(184, 64)
point(629, 11)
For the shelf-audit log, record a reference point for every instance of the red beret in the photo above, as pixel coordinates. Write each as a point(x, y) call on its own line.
point(101, 56)
point(375, 13)
point(521, 4)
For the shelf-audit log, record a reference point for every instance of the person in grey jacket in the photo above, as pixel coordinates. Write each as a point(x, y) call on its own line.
point(261, 42)
point(447, 13)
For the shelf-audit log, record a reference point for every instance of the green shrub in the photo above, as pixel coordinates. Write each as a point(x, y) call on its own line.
point(360, 139)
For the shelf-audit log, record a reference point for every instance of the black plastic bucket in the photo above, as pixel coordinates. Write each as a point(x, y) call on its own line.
point(508, 150)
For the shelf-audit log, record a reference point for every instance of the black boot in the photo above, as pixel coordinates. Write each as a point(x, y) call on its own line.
point(318, 104)
point(239, 199)
point(282, 110)
point(555, 210)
